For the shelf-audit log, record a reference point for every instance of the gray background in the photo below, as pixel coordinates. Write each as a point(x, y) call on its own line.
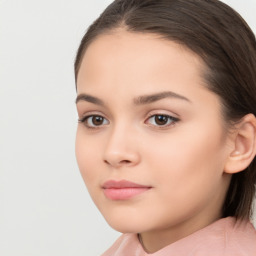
point(45, 209)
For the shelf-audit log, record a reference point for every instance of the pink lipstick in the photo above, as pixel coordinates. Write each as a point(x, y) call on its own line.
point(123, 189)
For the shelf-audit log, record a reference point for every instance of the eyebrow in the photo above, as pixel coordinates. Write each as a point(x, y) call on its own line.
point(141, 100)
point(89, 98)
point(146, 99)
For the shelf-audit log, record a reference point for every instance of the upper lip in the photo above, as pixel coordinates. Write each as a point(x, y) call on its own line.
point(122, 184)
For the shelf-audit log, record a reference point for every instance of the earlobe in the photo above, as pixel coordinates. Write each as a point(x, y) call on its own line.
point(244, 145)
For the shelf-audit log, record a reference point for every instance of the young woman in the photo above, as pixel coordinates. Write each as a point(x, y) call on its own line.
point(166, 140)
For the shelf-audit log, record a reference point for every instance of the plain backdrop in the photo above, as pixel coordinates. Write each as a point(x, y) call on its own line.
point(45, 209)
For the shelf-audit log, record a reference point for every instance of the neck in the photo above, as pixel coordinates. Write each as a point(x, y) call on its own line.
point(158, 239)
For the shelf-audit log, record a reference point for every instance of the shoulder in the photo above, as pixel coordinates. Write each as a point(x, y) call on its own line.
point(240, 238)
point(228, 237)
point(225, 237)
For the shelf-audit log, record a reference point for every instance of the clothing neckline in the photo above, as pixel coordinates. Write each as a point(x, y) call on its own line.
point(220, 226)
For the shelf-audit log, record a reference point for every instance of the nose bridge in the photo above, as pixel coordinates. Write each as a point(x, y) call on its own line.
point(120, 147)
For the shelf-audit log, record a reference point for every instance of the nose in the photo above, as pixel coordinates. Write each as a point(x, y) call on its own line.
point(121, 149)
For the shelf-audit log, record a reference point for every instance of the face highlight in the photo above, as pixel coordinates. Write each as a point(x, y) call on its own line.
point(151, 144)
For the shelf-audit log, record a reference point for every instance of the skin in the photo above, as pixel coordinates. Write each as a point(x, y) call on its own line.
point(182, 162)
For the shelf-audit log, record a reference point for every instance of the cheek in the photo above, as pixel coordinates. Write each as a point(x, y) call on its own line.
point(187, 173)
point(86, 156)
point(188, 161)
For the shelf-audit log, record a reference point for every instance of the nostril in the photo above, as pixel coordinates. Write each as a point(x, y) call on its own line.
point(117, 163)
point(125, 162)
point(106, 162)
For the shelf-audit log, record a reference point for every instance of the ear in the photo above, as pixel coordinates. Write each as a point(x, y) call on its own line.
point(244, 145)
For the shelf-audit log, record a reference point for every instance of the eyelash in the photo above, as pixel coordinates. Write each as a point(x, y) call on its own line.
point(84, 120)
point(171, 121)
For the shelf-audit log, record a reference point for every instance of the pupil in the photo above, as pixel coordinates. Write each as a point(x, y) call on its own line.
point(161, 120)
point(97, 120)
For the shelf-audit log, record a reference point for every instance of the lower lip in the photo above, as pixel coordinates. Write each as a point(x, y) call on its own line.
point(123, 193)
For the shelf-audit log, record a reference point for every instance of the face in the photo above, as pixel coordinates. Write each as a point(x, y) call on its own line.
point(151, 143)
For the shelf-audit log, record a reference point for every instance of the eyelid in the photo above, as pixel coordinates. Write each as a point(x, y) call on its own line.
point(85, 114)
point(162, 112)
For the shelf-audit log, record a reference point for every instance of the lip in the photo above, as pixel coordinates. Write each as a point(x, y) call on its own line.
point(123, 189)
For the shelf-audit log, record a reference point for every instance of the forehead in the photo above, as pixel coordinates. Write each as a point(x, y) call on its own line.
point(128, 55)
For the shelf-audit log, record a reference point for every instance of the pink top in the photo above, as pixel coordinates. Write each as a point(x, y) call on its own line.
point(225, 237)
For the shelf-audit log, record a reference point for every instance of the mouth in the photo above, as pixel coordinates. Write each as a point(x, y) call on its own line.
point(123, 189)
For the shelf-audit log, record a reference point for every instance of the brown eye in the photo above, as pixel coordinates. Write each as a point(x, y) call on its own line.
point(94, 121)
point(162, 120)
point(97, 120)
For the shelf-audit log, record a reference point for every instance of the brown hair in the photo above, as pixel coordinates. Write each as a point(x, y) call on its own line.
point(224, 41)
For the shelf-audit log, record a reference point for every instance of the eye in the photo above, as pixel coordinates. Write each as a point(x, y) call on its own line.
point(162, 120)
point(94, 121)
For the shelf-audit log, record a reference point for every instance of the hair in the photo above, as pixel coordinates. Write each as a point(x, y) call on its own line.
point(225, 43)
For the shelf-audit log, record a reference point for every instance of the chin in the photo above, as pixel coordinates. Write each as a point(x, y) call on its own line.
point(125, 228)
point(126, 225)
